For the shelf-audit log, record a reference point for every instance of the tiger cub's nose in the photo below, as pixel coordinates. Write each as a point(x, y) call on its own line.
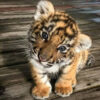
point(42, 57)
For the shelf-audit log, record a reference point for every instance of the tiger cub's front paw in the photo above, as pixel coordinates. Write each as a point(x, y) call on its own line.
point(63, 89)
point(41, 91)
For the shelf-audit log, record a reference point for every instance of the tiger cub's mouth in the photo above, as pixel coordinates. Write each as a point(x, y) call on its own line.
point(41, 60)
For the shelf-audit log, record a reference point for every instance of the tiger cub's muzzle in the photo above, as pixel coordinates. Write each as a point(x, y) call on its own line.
point(47, 53)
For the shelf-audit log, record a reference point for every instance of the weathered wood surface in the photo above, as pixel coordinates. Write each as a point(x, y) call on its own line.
point(15, 19)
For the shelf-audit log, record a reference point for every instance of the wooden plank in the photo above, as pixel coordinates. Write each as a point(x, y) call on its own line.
point(90, 94)
point(10, 28)
point(14, 74)
point(14, 70)
point(15, 2)
point(93, 33)
point(18, 90)
point(79, 15)
point(5, 5)
point(15, 16)
point(93, 26)
point(13, 35)
point(13, 58)
point(19, 12)
point(15, 21)
point(14, 45)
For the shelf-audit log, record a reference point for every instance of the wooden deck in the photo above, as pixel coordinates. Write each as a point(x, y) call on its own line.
point(15, 19)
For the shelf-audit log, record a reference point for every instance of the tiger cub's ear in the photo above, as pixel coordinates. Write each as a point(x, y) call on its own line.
point(84, 43)
point(44, 8)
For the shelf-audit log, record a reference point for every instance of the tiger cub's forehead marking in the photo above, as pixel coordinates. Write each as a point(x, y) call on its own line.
point(58, 24)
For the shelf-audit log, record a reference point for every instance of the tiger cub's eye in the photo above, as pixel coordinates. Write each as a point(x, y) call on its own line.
point(45, 35)
point(62, 48)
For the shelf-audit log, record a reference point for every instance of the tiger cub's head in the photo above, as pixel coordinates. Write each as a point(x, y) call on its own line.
point(55, 36)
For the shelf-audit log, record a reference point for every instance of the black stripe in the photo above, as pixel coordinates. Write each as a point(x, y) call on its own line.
point(35, 27)
point(70, 36)
point(46, 28)
point(59, 29)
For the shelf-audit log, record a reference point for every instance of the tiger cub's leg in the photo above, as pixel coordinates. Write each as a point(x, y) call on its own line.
point(42, 87)
point(66, 82)
point(64, 85)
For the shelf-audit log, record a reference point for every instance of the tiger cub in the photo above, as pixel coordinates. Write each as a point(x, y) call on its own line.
point(57, 48)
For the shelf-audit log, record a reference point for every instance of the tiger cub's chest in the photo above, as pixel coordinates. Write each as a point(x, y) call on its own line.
point(54, 68)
